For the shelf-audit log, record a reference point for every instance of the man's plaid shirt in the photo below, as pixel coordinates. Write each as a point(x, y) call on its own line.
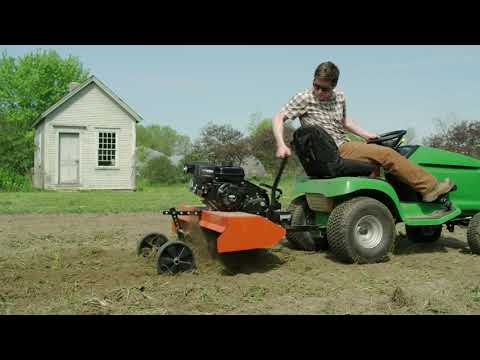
point(327, 114)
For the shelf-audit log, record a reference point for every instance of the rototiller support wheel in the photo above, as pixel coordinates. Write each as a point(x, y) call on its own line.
point(171, 256)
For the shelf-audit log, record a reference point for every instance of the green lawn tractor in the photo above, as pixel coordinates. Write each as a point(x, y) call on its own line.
point(355, 216)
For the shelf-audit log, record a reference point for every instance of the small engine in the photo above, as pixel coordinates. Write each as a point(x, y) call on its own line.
point(224, 188)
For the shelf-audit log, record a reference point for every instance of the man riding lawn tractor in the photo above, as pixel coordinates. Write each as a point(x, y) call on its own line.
point(322, 106)
point(358, 210)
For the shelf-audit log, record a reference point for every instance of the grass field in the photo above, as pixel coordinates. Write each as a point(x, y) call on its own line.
point(86, 264)
point(74, 253)
point(150, 199)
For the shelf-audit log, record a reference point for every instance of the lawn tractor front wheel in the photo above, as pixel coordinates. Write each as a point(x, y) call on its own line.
point(305, 240)
point(361, 230)
point(174, 257)
point(149, 243)
point(473, 234)
point(423, 234)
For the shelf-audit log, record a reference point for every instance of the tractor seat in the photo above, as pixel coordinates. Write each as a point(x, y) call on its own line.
point(318, 153)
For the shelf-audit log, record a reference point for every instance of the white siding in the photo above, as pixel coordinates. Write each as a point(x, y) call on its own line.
point(87, 112)
point(38, 159)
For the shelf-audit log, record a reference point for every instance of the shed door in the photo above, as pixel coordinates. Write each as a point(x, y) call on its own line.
point(69, 160)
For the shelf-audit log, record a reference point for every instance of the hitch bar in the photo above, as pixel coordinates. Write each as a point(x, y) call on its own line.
point(301, 228)
point(174, 214)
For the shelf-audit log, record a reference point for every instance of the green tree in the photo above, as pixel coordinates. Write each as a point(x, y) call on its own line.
point(16, 147)
point(143, 136)
point(163, 139)
point(161, 170)
point(263, 146)
point(29, 85)
point(196, 153)
point(13, 147)
point(253, 122)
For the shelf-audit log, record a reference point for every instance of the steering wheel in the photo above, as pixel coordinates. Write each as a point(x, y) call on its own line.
point(391, 139)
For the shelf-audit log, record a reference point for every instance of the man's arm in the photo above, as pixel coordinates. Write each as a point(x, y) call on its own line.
point(351, 126)
point(277, 125)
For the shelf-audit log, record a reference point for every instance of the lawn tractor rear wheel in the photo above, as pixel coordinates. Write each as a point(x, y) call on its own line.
point(149, 243)
point(473, 234)
point(361, 230)
point(423, 234)
point(174, 257)
point(303, 215)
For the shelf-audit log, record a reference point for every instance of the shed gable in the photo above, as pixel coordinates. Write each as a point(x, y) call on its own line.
point(90, 107)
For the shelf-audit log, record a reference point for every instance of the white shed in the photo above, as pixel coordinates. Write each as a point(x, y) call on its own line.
point(86, 141)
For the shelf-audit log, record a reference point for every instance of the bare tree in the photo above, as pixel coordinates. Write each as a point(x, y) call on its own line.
point(410, 136)
point(461, 137)
point(221, 144)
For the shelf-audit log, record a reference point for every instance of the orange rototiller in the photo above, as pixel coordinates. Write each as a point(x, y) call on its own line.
point(237, 214)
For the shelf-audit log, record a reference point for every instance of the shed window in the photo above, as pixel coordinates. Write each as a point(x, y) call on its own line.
point(107, 148)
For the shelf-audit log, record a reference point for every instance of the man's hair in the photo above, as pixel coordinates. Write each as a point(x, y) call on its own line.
point(327, 71)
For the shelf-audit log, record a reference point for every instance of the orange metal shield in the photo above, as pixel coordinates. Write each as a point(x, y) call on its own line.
point(238, 231)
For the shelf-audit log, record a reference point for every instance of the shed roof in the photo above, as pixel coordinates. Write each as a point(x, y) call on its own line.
point(101, 85)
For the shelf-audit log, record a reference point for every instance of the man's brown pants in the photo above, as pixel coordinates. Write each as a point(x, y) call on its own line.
point(394, 163)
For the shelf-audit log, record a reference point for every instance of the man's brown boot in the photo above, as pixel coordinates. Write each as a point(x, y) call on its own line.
point(439, 189)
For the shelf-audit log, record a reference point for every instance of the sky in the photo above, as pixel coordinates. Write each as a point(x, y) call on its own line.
point(387, 87)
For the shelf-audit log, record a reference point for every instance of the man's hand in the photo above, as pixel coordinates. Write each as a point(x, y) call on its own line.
point(283, 151)
point(371, 136)
point(350, 125)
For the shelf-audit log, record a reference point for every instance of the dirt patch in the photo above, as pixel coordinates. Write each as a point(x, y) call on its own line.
point(86, 264)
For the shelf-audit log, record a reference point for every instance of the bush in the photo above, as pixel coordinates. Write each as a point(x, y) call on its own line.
point(141, 183)
point(182, 177)
point(161, 170)
point(10, 182)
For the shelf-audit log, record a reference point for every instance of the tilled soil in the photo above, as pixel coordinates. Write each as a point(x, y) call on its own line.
point(86, 264)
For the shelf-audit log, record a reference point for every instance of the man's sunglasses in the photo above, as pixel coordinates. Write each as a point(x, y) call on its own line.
point(323, 88)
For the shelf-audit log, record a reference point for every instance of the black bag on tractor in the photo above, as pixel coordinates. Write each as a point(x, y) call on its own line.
point(320, 157)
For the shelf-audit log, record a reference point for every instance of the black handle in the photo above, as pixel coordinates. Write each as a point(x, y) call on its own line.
point(279, 174)
point(273, 201)
point(270, 187)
